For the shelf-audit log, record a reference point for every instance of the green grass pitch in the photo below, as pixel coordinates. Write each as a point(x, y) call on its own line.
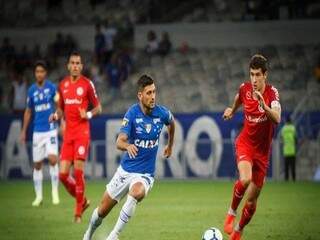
point(174, 210)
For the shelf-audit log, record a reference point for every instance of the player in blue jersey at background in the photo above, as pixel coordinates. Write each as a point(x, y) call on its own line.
point(42, 96)
point(139, 138)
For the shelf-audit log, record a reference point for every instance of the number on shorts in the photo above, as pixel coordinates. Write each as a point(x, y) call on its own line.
point(53, 140)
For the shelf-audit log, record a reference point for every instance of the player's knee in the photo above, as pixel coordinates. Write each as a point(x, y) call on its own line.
point(53, 160)
point(37, 166)
point(245, 181)
point(137, 191)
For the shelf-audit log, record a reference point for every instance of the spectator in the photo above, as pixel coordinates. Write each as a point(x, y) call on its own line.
point(289, 140)
point(2, 105)
point(109, 35)
point(18, 93)
point(113, 75)
point(152, 44)
point(165, 44)
point(99, 44)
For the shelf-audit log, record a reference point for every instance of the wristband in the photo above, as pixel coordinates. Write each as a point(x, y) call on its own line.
point(89, 115)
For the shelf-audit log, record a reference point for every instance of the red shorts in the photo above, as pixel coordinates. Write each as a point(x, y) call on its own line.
point(75, 149)
point(259, 162)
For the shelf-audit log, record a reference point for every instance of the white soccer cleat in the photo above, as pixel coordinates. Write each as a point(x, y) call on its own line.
point(37, 202)
point(55, 198)
point(112, 236)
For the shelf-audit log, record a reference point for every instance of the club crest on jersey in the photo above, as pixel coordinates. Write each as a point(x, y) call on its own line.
point(156, 120)
point(79, 91)
point(148, 127)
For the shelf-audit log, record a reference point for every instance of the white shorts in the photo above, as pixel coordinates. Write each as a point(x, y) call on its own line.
point(122, 182)
point(44, 144)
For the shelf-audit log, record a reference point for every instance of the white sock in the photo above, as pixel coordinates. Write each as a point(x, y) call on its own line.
point(232, 212)
point(37, 181)
point(54, 171)
point(94, 223)
point(126, 213)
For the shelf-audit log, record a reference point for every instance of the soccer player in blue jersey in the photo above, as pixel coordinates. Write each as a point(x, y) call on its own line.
point(139, 138)
point(41, 104)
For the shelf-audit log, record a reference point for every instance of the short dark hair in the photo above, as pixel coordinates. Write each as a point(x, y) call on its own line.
point(259, 61)
point(144, 81)
point(40, 63)
point(75, 53)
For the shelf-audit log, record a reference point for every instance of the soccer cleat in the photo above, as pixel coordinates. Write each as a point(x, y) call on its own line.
point(112, 236)
point(84, 206)
point(77, 219)
point(235, 235)
point(228, 223)
point(37, 202)
point(55, 198)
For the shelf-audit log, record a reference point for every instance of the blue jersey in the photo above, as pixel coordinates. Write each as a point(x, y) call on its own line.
point(143, 131)
point(41, 102)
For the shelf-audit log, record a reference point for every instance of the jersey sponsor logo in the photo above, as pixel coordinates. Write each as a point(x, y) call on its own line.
point(70, 101)
point(79, 91)
point(139, 120)
point(256, 119)
point(81, 150)
point(146, 143)
point(139, 130)
point(42, 107)
point(156, 120)
point(148, 127)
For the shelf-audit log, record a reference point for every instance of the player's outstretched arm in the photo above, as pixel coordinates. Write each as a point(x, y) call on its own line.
point(168, 148)
point(229, 111)
point(26, 120)
point(123, 145)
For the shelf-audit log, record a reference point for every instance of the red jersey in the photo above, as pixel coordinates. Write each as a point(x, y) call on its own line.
point(75, 95)
point(258, 129)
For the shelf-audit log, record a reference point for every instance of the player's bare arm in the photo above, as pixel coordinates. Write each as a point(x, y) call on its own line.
point(273, 112)
point(88, 115)
point(168, 149)
point(229, 111)
point(26, 120)
point(123, 145)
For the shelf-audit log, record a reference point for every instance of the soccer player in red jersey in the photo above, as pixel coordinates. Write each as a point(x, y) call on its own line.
point(262, 112)
point(76, 92)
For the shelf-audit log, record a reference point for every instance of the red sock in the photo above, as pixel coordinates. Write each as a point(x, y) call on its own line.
point(79, 176)
point(238, 192)
point(247, 213)
point(69, 183)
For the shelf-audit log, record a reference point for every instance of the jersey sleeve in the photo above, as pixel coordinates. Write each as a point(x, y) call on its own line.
point(92, 94)
point(60, 97)
point(167, 116)
point(30, 103)
point(241, 92)
point(274, 98)
point(127, 122)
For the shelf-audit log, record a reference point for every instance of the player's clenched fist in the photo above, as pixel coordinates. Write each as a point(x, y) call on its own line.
point(132, 150)
point(228, 114)
point(53, 117)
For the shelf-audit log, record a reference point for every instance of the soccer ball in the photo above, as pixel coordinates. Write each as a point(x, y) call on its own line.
point(212, 234)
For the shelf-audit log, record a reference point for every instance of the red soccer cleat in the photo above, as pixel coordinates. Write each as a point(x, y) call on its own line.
point(228, 223)
point(235, 235)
